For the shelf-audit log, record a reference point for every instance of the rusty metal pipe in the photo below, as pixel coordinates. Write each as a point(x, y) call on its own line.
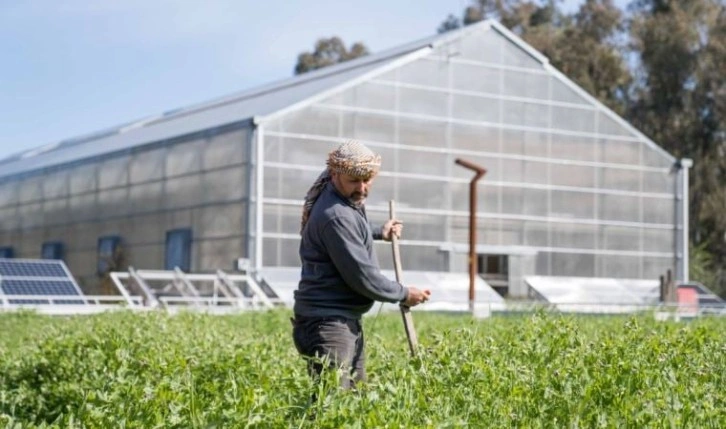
point(479, 173)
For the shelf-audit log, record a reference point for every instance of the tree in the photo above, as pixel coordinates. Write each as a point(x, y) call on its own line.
point(328, 52)
point(680, 101)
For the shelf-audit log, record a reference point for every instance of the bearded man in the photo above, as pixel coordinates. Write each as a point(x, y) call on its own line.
point(340, 277)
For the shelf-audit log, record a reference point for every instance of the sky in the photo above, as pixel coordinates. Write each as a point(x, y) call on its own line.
point(72, 67)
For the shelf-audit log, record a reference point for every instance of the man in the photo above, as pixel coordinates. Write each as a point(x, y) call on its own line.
point(340, 277)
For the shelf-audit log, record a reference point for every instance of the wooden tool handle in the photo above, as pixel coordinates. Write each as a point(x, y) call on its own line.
point(405, 310)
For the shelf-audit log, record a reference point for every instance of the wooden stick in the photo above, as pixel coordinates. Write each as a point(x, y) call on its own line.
point(405, 310)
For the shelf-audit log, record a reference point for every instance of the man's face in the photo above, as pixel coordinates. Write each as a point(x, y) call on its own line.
point(353, 188)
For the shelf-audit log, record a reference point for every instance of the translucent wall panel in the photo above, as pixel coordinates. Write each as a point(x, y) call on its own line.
point(146, 256)
point(619, 208)
point(656, 158)
point(573, 204)
point(31, 215)
point(512, 170)
point(476, 108)
point(289, 183)
point(573, 147)
point(573, 119)
point(578, 176)
point(619, 152)
point(282, 218)
point(219, 253)
point(526, 84)
point(369, 95)
point(653, 268)
point(620, 179)
point(184, 158)
point(55, 211)
point(182, 191)
point(146, 197)
point(423, 102)
point(564, 93)
point(224, 185)
point(146, 229)
point(525, 114)
point(113, 202)
point(9, 192)
point(55, 184)
point(426, 72)
point(536, 234)
point(659, 210)
point(659, 182)
point(83, 178)
point(573, 264)
point(487, 231)
point(225, 149)
point(300, 151)
point(658, 240)
point(476, 78)
point(608, 125)
point(419, 162)
point(313, 120)
point(624, 267)
point(535, 202)
point(573, 236)
point(619, 238)
point(220, 220)
point(474, 138)
point(147, 166)
point(30, 189)
point(425, 194)
point(281, 252)
point(9, 218)
point(113, 172)
point(421, 132)
point(367, 126)
point(82, 207)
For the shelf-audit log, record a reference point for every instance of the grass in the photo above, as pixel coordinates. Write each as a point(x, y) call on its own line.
point(191, 370)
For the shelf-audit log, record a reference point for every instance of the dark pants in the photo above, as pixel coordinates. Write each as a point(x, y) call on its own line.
point(338, 339)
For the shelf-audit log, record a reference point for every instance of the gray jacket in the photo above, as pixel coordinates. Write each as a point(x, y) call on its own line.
point(340, 272)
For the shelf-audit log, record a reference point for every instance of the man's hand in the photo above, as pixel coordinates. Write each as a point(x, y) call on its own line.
point(392, 226)
point(416, 296)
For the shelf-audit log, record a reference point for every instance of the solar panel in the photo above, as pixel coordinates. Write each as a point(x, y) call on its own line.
point(37, 277)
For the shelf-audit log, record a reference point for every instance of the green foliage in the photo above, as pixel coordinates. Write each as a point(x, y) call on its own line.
point(155, 370)
point(328, 52)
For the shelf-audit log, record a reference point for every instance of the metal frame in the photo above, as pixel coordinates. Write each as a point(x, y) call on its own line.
point(188, 292)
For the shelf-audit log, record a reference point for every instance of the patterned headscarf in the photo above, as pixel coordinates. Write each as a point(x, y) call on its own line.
point(351, 158)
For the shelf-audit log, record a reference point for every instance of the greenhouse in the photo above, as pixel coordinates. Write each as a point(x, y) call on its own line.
point(571, 189)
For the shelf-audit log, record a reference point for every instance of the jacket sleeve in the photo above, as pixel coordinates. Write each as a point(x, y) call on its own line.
point(342, 239)
point(377, 231)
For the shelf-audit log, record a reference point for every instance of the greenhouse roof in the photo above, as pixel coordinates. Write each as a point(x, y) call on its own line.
point(254, 105)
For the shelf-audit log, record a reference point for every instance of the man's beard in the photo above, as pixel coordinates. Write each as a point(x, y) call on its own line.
point(358, 198)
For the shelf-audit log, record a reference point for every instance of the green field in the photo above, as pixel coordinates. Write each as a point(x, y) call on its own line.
point(537, 370)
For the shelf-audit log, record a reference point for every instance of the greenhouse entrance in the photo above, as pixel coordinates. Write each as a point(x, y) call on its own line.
point(494, 269)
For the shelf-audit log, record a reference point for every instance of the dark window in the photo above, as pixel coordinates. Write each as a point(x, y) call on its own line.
point(52, 250)
point(107, 248)
point(178, 249)
point(7, 252)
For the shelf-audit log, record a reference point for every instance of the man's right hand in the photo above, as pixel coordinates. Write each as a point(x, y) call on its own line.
point(416, 296)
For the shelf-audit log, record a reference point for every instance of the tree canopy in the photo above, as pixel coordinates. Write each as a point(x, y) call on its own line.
point(328, 52)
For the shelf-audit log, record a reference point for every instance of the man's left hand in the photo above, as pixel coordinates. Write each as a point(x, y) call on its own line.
point(392, 226)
